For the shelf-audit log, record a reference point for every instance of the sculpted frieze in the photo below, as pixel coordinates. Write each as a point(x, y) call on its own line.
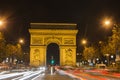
point(36, 56)
point(53, 38)
point(68, 40)
point(68, 56)
point(37, 40)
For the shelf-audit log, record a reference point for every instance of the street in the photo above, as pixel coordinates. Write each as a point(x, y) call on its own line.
point(41, 74)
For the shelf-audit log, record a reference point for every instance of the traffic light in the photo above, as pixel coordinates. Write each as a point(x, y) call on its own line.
point(52, 61)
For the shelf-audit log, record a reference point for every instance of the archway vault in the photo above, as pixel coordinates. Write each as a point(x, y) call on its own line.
point(63, 34)
point(53, 52)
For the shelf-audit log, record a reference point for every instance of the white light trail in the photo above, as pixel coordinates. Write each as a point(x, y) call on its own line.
point(4, 76)
point(33, 74)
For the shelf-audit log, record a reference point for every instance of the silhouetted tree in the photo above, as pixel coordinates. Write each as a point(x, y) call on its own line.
point(2, 47)
point(14, 51)
point(89, 53)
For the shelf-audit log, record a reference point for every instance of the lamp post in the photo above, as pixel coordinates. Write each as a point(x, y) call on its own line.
point(107, 56)
point(112, 59)
point(78, 58)
point(21, 41)
point(83, 42)
point(112, 56)
point(97, 60)
point(1, 42)
point(107, 23)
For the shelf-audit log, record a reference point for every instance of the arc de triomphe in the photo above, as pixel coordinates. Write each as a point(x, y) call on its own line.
point(63, 34)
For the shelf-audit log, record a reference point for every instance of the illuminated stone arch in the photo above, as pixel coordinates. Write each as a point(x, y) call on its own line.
point(52, 41)
point(63, 34)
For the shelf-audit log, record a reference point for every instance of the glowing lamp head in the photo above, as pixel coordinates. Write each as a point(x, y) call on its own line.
point(21, 41)
point(84, 41)
point(1, 23)
point(107, 22)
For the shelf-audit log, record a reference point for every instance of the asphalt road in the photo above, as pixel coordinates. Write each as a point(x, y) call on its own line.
point(46, 75)
point(54, 77)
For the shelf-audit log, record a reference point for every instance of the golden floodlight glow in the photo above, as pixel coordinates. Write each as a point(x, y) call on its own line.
point(84, 41)
point(1, 23)
point(107, 22)
point(21, 41)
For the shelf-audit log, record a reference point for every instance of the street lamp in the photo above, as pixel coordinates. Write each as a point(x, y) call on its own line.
point(107, 55)
point(107, 22)
point(21, 41)
point(1, 23)
point(112, 56)
point(78, 58)
point(84, 41)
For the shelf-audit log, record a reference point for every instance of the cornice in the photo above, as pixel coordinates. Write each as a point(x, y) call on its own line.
point(62, 24)
point(53, 26)
point(49, 31)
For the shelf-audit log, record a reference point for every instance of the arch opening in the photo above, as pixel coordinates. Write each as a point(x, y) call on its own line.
point(53, 52)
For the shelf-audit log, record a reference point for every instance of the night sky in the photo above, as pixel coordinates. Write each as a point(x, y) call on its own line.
point(88, 14)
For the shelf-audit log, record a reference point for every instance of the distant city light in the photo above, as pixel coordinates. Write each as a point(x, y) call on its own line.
point(112, 56)
point(97, 59)
point(105, 60)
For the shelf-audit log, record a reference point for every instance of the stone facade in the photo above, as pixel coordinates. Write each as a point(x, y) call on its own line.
point(42, 34)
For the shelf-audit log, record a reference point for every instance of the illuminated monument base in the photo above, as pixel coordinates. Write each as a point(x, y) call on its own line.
point(42, 34)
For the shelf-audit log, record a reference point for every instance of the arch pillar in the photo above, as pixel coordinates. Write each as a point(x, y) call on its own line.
point(37, 55)
point(68, 55)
